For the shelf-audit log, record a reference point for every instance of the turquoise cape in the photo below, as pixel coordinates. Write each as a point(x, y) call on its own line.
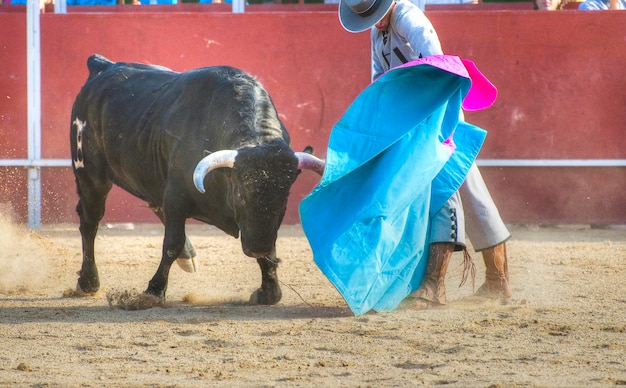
point(395, 157)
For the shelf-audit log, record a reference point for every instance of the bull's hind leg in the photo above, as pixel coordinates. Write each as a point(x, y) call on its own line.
point(90, 210)
point(269, 293)
point(187, 258)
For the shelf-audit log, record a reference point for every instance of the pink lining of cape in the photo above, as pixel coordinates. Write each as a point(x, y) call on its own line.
point(482, 93)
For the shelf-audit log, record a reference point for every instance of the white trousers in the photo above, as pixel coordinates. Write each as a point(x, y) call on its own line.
point(470, 211)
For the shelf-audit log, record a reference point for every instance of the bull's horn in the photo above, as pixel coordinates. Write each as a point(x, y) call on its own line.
point(223, 158)
point(310, 162)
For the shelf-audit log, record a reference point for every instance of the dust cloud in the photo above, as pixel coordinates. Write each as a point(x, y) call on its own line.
point(132, 300)
point(135, 300)
point(195, 298)
point(24, 259)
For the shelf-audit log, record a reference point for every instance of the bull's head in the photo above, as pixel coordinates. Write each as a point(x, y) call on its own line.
point(260, 183)
point(226, 158)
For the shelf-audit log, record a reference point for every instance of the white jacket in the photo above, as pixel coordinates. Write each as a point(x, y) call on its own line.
point(410, 36)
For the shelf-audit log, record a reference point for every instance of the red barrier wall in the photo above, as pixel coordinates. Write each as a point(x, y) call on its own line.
point(561, 80)
point(562, 95)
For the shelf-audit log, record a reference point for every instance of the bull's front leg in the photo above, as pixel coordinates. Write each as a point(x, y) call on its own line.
point(187, 258)
point(173, 244)
point(269, 293)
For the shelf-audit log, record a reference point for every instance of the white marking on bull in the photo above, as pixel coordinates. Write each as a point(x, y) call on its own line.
point(80, 127)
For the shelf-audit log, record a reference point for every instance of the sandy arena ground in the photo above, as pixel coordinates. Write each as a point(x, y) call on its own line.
point(565, 327)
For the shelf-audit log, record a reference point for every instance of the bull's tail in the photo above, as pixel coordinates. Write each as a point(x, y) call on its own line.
point(97, 64)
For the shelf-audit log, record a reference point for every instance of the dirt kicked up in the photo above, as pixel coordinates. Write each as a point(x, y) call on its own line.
point(565, 327)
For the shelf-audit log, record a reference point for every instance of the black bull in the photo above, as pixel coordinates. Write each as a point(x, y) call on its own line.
point(205, 144)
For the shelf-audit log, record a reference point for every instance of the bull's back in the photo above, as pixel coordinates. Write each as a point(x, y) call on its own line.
point(128, 100)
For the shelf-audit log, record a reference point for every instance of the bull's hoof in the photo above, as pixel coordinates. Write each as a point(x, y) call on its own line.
point(88, 285)
point(267, 298)
point(156, 293)
point(188, 265)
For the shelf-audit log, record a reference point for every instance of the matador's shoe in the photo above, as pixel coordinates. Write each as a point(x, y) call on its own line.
point(497, 274)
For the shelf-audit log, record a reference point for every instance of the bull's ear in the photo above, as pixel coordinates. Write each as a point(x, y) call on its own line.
point(223, 158)
point(307, 161)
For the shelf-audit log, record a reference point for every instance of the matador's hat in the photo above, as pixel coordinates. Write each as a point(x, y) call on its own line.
point(360, 15)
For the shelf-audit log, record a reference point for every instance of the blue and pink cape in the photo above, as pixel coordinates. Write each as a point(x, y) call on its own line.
point(395, 157)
